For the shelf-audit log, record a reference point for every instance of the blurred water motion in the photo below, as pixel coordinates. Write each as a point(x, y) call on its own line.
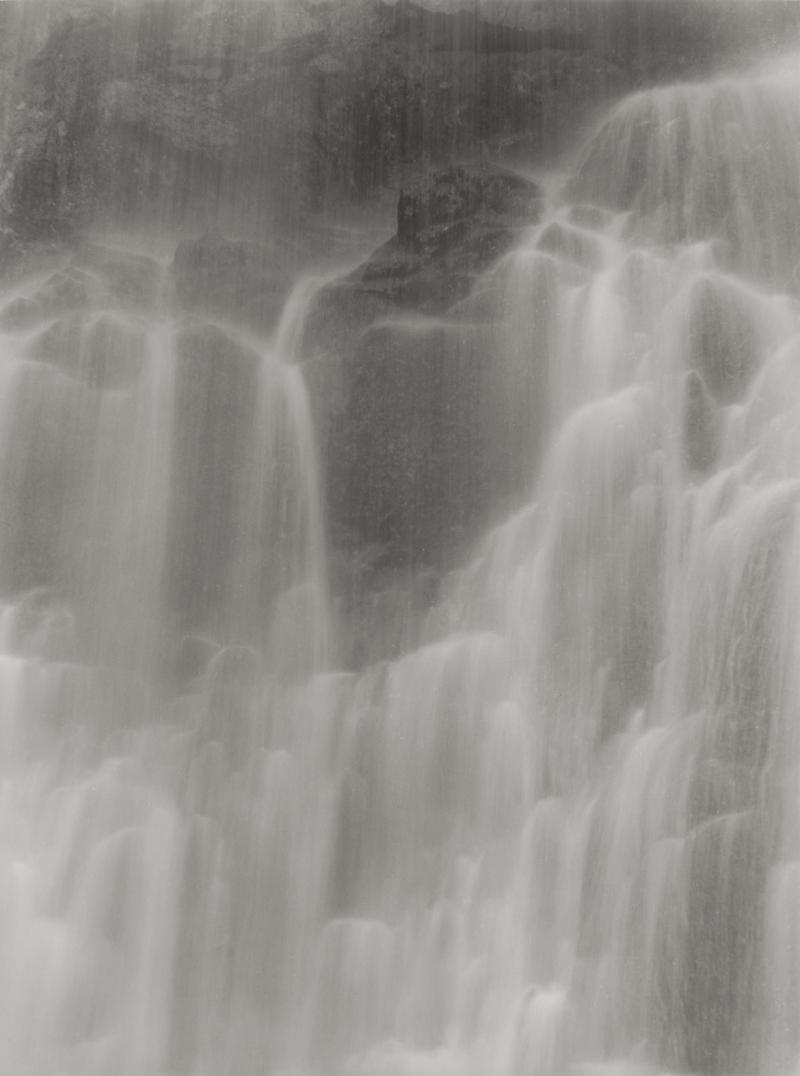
point(558, 835)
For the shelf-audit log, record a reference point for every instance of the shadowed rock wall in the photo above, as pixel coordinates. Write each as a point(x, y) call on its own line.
point(259, 111)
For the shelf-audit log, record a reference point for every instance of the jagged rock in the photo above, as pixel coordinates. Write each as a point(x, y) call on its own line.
point(434, 212)
point(451, 225)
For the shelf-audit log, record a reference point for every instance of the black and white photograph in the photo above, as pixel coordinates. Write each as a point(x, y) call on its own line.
point(399, 537)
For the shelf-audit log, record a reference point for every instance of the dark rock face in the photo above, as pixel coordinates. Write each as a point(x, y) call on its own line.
point(272, 110)
point(149, 110)
point(414, 411)
point(451, 226)
point(417, 459)
point(434, 213)
point(53, 152)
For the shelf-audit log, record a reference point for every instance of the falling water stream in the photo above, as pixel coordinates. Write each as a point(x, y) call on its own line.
point(559, 835)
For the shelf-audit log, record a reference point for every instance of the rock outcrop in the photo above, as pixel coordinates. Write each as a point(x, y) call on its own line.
point(413, 409)
point(269, 112)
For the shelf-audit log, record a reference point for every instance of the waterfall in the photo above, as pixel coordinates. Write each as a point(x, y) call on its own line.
point(559, 835)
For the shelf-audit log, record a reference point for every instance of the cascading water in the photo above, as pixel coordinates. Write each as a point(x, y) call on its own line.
point(560, 834)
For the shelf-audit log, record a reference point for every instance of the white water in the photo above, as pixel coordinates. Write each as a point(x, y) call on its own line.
point(560, 834)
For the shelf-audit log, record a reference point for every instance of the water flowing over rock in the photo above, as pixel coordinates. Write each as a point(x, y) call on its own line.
point(398, 664)
point(709, 161)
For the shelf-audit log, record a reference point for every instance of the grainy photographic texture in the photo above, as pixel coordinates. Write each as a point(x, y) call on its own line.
point(399, 540)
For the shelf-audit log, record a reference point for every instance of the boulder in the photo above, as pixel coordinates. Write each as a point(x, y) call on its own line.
point(435, 213)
